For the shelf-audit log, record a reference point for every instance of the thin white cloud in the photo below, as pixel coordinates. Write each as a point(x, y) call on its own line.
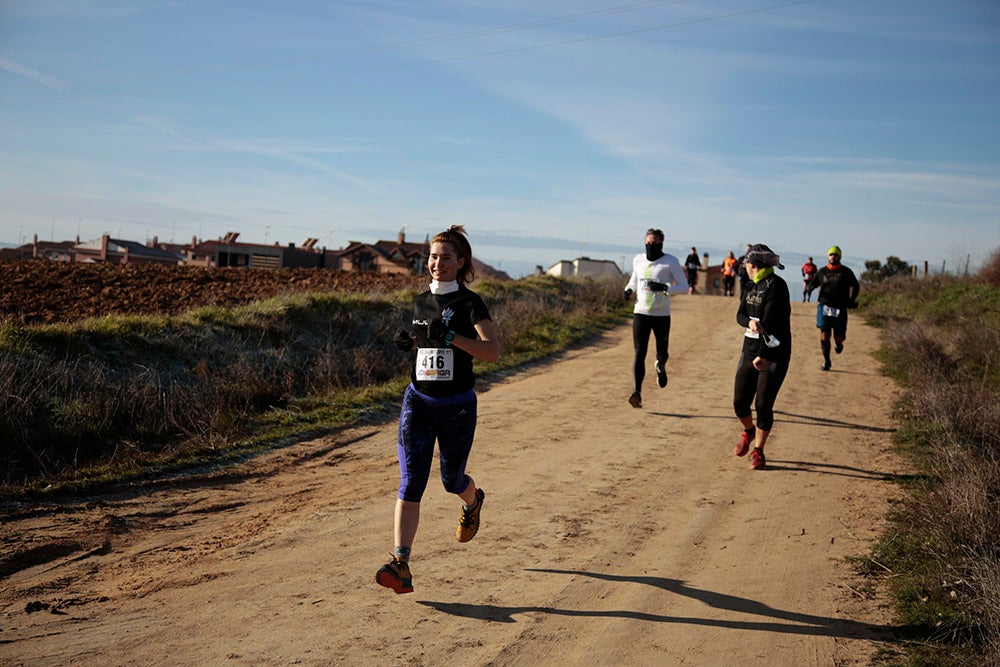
point(23, 71)
point(167, 127)
point(302, 158)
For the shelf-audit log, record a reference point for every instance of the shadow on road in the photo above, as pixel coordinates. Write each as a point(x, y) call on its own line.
point(841, 470)
point(806, 420)
point(768, 618)
point(834, 423)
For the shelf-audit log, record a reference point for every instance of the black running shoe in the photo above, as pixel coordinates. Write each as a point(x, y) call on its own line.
point(661, 375)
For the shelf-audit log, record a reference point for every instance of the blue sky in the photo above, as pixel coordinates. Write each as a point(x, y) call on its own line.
point(552, 130)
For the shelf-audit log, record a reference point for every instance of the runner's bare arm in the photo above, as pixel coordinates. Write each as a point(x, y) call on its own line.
point(486, 347)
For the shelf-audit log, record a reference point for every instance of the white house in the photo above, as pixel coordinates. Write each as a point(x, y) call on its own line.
point(585, 267)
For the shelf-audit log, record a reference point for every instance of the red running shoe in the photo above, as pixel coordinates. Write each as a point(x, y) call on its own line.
point(743, 446)
point(757, 460)
point(395, 575)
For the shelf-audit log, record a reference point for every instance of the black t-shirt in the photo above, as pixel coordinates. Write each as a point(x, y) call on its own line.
point(837, 287)
point(444, 370)
point(769, 302)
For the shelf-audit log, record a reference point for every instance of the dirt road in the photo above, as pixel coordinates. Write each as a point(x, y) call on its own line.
point(611, 535)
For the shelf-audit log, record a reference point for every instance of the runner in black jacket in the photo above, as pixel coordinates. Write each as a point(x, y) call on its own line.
point(838, 291)
point(765, 312)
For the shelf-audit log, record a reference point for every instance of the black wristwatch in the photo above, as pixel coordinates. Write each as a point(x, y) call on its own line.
point(448, 337)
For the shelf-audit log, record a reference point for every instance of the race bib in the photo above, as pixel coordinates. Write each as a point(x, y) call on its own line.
point(435, 364)
point(831, 312)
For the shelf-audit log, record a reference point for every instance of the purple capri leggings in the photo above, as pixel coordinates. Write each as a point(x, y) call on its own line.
point(452, 422)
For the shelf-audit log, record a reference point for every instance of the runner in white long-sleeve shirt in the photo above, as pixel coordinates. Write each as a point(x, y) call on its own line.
point(655, 276)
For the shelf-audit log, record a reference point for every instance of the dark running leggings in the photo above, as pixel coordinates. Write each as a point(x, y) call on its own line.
point(452, 421)
point(763, 386)
point(642, 325)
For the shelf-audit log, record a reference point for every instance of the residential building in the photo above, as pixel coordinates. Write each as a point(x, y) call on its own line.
point(227, 251)
point(399, 256)
point(585, 267)
point(118, 251)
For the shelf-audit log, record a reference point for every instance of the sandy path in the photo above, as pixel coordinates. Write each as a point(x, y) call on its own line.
point(610, 535)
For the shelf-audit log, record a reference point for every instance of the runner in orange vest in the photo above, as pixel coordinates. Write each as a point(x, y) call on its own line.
point(730, 265)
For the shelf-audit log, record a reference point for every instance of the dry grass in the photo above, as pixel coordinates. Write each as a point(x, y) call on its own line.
point(942, 343)
point(990, 274)
point(119, 396)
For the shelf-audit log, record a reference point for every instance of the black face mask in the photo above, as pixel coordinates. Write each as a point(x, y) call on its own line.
point(654, 251)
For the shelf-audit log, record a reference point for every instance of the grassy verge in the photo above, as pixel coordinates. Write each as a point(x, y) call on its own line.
point(120, 398)
point(941, 341)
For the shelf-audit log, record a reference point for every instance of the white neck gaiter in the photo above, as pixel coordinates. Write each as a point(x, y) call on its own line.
point(444, 288)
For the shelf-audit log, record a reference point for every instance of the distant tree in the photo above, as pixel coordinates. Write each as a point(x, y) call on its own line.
point(876, 272)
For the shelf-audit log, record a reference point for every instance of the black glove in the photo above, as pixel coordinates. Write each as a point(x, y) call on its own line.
point(628, 295)
point(437, 331)
point(656, 287)
point(853, 304)
point(403, 340)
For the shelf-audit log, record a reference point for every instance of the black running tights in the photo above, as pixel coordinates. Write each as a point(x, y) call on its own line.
point(642, 326)
point(759, 387)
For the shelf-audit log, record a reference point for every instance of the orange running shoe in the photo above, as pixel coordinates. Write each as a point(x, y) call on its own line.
point(395, 575)
point(468, 523)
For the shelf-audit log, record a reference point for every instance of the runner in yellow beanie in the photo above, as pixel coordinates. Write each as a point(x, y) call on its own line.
point(838, 291)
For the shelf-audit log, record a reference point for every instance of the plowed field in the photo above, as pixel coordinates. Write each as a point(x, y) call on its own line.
point(39, 291)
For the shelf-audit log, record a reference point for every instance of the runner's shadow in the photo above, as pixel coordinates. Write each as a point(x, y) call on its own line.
point(674, 415)
point(774, 620)
point(839, 470)
point(835, 371)
point(835, 423)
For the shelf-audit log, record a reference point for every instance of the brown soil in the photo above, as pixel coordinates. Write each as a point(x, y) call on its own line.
point(37, 291)
point(610, 536)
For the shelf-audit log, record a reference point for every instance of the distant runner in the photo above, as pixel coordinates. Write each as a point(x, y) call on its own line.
point(808, 272)
point(730, 267)
point(691, 265)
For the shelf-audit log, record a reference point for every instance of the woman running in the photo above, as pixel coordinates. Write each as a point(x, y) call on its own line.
point(451, 326)
point(765, 312)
